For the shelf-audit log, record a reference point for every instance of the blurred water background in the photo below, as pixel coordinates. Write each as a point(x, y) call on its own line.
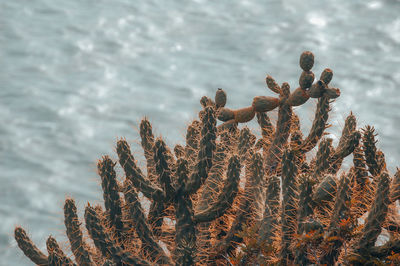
point(76, 75)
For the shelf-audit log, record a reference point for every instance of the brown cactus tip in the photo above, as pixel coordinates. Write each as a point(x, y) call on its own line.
point(306, 60)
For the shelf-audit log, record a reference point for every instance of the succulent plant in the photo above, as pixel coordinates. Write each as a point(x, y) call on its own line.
point(228, 198)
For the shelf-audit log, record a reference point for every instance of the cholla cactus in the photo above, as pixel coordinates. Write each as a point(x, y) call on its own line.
point(227, 197)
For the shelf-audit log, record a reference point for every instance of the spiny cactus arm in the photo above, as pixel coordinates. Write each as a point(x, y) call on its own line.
point(343, 151)
point(350, 125)
point(227, 195)
point(206, 152)
point(395, 188)
point(305, 200)
point(134, 174)
point(137, 216)
point(269, 221)
point(296, 137)
point(370, 151)
point(219, 166)
point(29, 248)
point(376, 216)
point(56, 260)
point(323, 154)
point(340, 224)
point(179, 151)
point(163, 168)
point(192, 141)
point(267, 130)
point(282, 132)
point(111, 197)
point(185, 239)
point(318, 126)
point(348, 142)
point(156, 217)
point(74, 234)
point(104, 243)
point(249, 206)
point(289, 211)
point(58, 257)
point(147, 142)
point(246, 142)
point(360, 171)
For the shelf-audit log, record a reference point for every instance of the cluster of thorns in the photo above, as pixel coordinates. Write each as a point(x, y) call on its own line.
point(228, 198)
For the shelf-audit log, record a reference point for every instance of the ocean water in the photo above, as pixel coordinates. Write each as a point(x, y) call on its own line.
point(77, 75)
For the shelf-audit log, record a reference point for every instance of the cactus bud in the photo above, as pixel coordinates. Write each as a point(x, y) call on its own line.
point(306, 60)
point(298, 97)
point(272, 85)
point(225, 114)
point(306, 79)
point(264, 103)
point(244, 115)
point(326, 76)
point(220, 98)
point(317, 89)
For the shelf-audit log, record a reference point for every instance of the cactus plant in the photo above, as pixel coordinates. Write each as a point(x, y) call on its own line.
point(228, 198)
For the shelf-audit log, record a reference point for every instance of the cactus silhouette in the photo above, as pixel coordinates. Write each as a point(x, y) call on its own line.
point(227, 197)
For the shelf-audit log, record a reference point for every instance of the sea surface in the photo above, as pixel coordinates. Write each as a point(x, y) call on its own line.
point(77, 75)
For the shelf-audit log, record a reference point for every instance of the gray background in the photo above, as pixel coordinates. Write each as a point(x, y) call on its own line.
point(76, 75)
